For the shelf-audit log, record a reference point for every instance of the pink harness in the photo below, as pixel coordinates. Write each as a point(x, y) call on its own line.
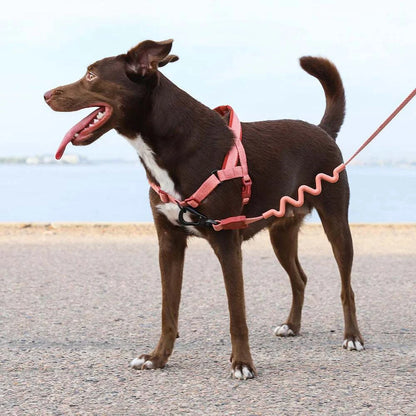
point(231, 170)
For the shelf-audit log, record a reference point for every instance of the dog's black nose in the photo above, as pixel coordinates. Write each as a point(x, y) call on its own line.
point(48, 95)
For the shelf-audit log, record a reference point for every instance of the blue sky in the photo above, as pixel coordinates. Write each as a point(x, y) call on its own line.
point(231, 52)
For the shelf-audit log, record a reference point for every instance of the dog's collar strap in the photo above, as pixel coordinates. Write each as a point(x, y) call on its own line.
point(230, 168)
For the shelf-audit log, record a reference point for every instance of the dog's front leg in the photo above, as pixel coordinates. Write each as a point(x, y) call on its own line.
point(172, 245)
point(227, 247)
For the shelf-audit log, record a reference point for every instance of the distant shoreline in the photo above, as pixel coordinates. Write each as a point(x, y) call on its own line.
point(80, 160)
point(65, 160)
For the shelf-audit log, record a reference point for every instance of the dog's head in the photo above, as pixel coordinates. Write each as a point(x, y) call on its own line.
point(118, 86)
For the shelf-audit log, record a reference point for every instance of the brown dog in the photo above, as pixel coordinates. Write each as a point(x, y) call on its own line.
point(180, 142)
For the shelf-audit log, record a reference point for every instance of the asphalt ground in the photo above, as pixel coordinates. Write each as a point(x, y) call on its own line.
point(79, 302)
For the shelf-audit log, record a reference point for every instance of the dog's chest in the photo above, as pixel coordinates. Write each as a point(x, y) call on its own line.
point(147, 156)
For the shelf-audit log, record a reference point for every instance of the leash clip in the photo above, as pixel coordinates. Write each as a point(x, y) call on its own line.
point(202, 219)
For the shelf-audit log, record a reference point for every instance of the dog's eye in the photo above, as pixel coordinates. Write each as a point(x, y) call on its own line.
point(90, 76)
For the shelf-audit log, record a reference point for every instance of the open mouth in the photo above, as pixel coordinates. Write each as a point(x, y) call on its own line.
point(83, 132)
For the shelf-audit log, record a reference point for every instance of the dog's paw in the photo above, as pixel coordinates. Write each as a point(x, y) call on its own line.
point(353, 344)
point(283, 331)
point(146, 362)
point(141, 364)
point(242, 371)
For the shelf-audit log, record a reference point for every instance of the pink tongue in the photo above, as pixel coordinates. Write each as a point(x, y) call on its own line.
point(76, 129)
point(68, 137)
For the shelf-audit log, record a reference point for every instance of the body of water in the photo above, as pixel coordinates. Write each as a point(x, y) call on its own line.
point(118, 192)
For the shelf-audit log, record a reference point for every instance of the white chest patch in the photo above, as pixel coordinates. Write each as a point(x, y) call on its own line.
point(170, 210)
point(148, 157)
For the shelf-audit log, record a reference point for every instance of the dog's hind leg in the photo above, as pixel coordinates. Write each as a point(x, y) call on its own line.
point(172, 245)
point(227, 247)
point(333, 211)
point(284, 239)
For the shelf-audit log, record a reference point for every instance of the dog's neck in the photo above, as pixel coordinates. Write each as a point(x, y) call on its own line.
point(187, 139)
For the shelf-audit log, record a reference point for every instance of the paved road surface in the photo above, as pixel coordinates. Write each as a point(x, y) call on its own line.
point(79, 302)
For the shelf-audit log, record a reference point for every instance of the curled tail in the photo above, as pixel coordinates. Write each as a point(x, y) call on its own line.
point(328, 75)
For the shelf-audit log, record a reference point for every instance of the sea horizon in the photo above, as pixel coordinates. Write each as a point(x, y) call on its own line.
point(117, 192)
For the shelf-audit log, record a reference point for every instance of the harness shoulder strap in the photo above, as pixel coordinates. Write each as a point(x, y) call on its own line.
point(230, 170)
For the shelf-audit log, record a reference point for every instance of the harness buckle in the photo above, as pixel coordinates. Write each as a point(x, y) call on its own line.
point(246, 189)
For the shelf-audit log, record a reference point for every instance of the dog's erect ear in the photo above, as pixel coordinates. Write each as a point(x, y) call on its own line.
point(146, 57)
point(169, 58)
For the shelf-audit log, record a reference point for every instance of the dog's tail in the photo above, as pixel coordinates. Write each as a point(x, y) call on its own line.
point(329, 77)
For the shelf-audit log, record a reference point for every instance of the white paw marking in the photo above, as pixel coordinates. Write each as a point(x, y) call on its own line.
point(237, 374)
point(283, 331)
point(148, 364)
point(137, 363)
point(243, 374)
point(247, 373)
point(352, 345)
